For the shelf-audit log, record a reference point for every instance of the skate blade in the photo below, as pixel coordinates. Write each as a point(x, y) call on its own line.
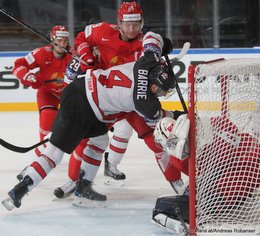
point(87, 203)
point(112, 182)
point(65, 198)
point(8, 204)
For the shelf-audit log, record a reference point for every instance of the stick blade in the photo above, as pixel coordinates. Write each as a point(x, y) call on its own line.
point(184, 50)
point(20, 149)
point(13, 147)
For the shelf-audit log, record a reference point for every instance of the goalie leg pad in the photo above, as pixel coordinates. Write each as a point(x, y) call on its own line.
point(172, 212)
point(173, 206)
point(171, 225)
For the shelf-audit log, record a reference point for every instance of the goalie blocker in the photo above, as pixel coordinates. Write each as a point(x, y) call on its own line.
point(172, 213)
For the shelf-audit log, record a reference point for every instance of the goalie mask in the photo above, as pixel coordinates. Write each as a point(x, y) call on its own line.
point(163, 132)
point(59, 31)
point(171, 136)
point(161, 77)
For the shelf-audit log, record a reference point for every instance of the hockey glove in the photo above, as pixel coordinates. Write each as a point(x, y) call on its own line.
point(167, 46)
point(30, 80)
point(177, 144)
point(89, 59)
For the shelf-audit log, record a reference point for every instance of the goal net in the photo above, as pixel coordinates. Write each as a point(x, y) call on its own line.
point(224, 108)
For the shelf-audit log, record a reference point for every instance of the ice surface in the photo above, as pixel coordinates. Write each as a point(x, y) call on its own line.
point(128, 210)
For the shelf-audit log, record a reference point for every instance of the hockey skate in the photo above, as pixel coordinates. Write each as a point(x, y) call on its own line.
point(114, 176)
point(17, 193)
point(68, 188)
point(86, 196)
point(65, 190)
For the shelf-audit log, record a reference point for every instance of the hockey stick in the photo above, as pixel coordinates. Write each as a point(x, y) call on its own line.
point(41, 35)
point(183, 52)
point(21, 149)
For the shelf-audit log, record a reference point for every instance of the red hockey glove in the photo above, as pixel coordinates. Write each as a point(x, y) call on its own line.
point(89, 59)
point(30, 80)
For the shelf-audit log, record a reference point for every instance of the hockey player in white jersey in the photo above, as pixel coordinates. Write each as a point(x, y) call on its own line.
point(87, 105)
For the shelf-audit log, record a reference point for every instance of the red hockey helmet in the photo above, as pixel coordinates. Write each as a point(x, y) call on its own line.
point(59, 31)
point(130, 11)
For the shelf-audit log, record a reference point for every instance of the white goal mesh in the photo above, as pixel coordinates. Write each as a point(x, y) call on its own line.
point(227, 142)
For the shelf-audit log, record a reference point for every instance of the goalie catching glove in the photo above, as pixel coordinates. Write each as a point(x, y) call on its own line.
point(171, 136)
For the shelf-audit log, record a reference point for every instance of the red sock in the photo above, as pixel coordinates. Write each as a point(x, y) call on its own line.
point(47, 117)
point(75, 160)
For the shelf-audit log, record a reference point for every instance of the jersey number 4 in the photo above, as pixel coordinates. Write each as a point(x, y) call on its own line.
point(115, 78)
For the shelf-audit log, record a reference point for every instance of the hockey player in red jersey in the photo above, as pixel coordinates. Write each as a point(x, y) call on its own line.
point(113, 45)
point(43, 69)
point(87, 105)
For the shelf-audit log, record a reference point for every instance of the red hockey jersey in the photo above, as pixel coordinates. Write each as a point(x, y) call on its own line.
point(112, 50)
point(51, 70)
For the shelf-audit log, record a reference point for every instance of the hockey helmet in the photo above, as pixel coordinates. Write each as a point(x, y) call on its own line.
point(163, 132)
point(59, 31)
point(130, 11)
point(161, 77)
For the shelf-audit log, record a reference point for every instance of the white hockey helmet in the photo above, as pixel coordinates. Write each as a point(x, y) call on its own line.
point(163, 132)
point(172, 136)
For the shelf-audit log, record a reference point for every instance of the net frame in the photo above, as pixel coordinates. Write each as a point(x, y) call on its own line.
point(219, 114)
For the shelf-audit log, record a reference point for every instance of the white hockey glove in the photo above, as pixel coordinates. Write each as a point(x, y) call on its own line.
point(172, 136)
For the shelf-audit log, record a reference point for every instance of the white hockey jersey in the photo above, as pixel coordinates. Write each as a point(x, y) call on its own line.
point(110, 91)
point(122, 88)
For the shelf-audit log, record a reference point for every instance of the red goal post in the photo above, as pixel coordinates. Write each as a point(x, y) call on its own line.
point(224, 164)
